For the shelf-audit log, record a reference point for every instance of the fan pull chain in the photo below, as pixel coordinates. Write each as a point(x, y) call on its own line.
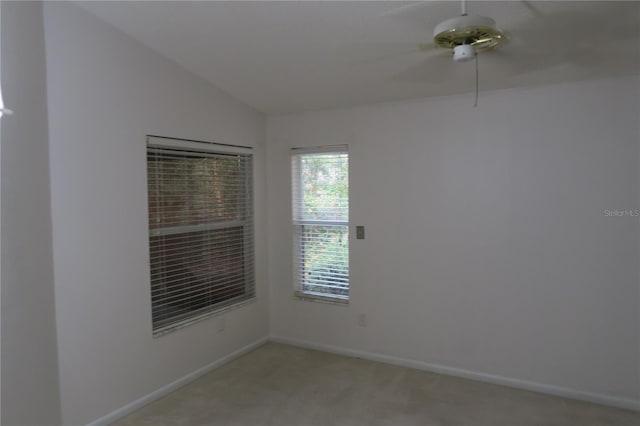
point(475, 103)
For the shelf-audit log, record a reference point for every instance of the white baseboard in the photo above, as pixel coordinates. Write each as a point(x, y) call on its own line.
point(159, 393)
point(612, 401)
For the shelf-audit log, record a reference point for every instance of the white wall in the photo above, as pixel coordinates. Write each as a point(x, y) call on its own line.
point(106, 92)
point(29, 362)
point(487, 248)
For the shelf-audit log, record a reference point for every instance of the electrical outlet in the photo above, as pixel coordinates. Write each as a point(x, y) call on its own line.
point(220, 324)
point(362, 320)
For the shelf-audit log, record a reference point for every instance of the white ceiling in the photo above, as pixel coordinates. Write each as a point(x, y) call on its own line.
point(292, 56)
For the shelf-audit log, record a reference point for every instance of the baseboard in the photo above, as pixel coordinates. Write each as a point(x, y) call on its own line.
point(159, 393)
point(596, 398)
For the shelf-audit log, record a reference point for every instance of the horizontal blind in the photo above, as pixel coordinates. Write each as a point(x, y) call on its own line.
point(320, 182)
point(201, 232)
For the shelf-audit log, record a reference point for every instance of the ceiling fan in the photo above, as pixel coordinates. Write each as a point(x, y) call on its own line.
point(592, 39)
point(582, 36)
point(466, 35)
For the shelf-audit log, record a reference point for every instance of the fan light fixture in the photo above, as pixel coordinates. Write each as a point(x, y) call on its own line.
point(463, 53)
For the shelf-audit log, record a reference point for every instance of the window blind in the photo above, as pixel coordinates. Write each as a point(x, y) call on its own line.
point(320, 183)
point(200, 231)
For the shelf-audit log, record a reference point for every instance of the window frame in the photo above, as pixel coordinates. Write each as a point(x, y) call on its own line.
point(296, 154)
point(201, 149)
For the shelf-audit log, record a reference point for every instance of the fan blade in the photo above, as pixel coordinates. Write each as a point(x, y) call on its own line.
point(369, 52)
point(598, 24)
point(520, 63)
point(430, 45)
point(399, 10)
point(422, 15)
point(534, 10)
point(598, 38)
point(437, 67)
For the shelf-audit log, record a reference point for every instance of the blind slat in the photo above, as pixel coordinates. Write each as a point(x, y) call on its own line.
point(320, 183)
point(201, 230)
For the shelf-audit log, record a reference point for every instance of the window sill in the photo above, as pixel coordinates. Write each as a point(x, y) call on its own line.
point(309, 297)
point(161, 331)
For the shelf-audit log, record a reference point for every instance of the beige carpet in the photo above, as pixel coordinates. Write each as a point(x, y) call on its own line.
point(286, 386)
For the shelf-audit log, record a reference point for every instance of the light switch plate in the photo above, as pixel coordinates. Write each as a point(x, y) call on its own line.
point(360, 232)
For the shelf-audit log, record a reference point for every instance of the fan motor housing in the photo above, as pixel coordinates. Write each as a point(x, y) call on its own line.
point(474, 30)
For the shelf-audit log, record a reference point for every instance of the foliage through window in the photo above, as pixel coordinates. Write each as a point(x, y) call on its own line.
point(201, 230)
point(321, 222)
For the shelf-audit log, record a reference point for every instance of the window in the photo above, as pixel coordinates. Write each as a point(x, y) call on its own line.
point(200, 229)
point(321, 222)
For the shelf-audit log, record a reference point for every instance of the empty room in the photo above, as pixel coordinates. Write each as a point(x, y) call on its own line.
point(310, 213)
